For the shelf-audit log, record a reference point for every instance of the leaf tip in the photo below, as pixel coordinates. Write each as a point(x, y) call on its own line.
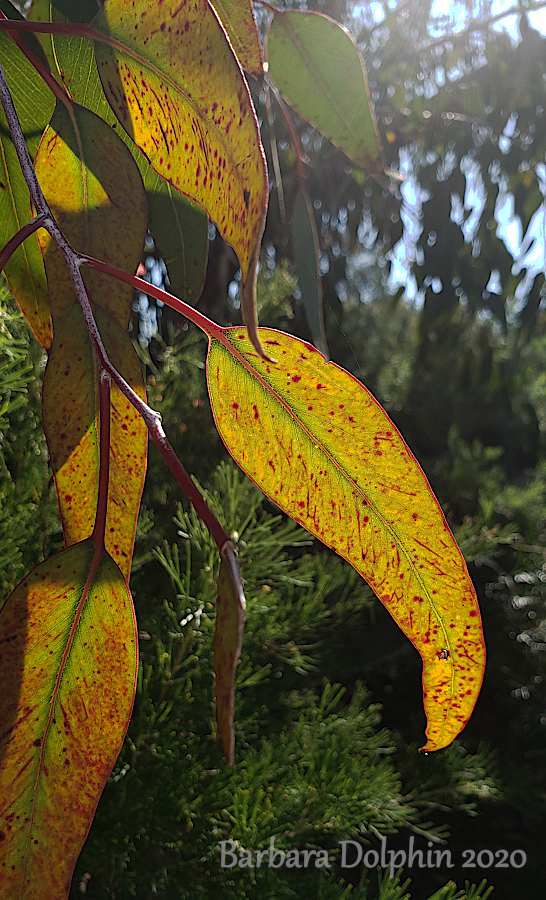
point(248, 309)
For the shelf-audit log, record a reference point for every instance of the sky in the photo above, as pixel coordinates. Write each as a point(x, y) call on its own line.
point(456, 13)
point(528, 250)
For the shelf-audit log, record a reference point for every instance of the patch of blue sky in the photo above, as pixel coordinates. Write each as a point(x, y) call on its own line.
point(453, 15)
point(370, 13)
point(407, 252)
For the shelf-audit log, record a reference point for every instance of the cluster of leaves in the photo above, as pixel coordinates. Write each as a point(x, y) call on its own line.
point(313, 767)
point(265, 410)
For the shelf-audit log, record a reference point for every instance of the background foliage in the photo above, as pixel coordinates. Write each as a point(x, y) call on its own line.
point(433, 290)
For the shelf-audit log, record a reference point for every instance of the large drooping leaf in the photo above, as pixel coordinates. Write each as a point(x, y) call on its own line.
point(68, 662)
point(34, 103)
point(228, 637)
point(318, 68)
point(237, 17)
point(172, 79)
point(306, 261)
point(71, 425)
point(95, 192)
point(320, 446)
point(178, 225)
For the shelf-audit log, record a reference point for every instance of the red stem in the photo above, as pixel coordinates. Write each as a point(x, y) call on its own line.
point(18, 239)
point(78, 29)
point(219, 534)
point(207, 325)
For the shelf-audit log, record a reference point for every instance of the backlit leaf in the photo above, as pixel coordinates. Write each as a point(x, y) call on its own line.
point(176, 87)
point(68, 662)
point(320, 446)
point(319, 70)
point(306, 261)
point(25, 270)
point(40, 11)
point(71, 424)
point(237, 17)
point(178, 225)
point(228, 637)
point(96, 194)
point(32, 41)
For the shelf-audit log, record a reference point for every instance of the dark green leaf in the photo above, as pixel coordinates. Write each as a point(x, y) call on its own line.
point(306, 259)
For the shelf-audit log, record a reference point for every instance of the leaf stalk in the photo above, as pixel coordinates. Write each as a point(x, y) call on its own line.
point(17, 239)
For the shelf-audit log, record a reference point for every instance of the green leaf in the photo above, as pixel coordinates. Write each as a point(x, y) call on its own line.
point(25, 270)
point(319, 70)
point(31, 40)
point(237, 17)
point(68, 664)
point(71, 425)
point(306, 260)
point(178, 225)
point(228, 638)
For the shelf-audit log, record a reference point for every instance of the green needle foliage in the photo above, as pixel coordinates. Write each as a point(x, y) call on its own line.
point(27, 505)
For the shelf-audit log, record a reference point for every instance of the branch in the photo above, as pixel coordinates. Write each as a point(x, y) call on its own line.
point(18, 239)
point(74, 261)
point(206, 325)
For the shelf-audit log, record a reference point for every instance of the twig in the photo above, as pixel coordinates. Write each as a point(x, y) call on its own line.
point(202, 322)
point(480, 26)
point(17, 239)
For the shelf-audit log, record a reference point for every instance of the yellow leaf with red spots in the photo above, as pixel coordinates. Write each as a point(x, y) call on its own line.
point(68, 663)
point(95, 191)
point(172, 79)
point(237, 17)
point(322, 448)
point(71, 424)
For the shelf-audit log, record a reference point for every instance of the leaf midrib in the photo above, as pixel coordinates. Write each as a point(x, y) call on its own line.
point(93, 568)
